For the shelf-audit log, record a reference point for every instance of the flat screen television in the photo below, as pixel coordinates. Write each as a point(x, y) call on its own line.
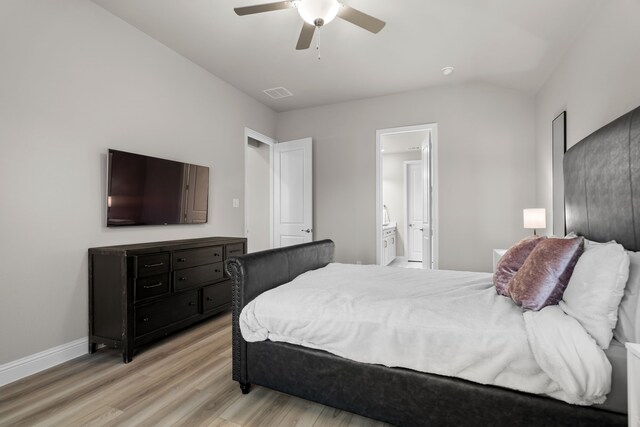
point(144, 190)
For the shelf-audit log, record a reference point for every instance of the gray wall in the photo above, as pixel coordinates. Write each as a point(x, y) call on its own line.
point(596, 82)
point(486, 167)
point(74, 82)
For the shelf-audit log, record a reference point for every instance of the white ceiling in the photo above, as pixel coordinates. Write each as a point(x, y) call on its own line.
point(514, 43)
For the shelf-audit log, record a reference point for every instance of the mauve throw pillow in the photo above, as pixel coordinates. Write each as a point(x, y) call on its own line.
point(511, 262)
point(542, 279)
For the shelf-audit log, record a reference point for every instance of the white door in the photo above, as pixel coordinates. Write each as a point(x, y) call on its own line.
point(414, 210)
point(292, 193)
point(427, 226)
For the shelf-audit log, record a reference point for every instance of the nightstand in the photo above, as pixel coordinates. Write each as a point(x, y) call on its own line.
point(633, 383)
point(497, 254)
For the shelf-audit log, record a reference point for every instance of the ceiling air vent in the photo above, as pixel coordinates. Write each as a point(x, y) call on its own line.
point(278, 92)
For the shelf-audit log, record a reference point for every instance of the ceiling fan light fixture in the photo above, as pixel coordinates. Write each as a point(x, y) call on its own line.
point(318, 12)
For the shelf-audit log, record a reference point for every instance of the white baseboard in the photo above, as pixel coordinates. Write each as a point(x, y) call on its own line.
point(29, 365)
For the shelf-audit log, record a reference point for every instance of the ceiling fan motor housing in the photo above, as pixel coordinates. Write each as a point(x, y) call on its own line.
point(316, 13)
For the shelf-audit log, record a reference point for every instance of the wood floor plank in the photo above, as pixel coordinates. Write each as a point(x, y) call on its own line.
point(158, 389)
point(249, 406)
point(35, 409)
point(47, 378)
point(32, 391)
point(97, 417)
point(223, 393)
point(221, 422)
point(301, 413)
point(183, 380)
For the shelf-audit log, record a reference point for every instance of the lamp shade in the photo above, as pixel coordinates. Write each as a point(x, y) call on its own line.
point(535, 218)
point(311, 10)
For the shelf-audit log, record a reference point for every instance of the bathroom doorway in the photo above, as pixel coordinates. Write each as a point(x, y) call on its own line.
point(406, 196)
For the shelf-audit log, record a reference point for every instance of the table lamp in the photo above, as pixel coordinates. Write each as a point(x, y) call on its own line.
point(534, 218)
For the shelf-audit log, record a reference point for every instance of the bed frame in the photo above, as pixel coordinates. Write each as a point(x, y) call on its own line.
point(602, 176)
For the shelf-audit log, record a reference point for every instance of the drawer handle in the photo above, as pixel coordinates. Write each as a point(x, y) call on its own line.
point(209, 299)
point(146, 319)
point(154, 265)
point(182, 279)
point(235, 251)
point(217, 270)
point(192, 303)
point(152, 286)
point(182, 259)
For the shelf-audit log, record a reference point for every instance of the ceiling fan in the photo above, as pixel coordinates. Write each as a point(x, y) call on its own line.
point(315, 14)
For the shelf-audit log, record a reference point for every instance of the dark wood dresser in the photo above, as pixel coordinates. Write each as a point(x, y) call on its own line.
point(141, 292)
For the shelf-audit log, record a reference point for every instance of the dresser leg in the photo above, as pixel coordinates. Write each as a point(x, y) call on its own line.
point(127, 356)
point(92, 347)
point(245, 387)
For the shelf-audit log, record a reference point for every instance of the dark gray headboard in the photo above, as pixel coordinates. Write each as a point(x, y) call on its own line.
point(602, 183)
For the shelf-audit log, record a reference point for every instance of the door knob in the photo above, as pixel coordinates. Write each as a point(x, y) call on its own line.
point(308, 230)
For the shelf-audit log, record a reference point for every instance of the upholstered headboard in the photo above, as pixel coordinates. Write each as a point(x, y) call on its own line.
point(602, 183)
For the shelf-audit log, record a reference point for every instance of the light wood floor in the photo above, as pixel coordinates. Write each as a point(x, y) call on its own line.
point(184, 380)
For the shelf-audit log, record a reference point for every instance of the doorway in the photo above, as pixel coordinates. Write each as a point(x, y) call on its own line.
point(406, 196)
point(258, 192)
point(278, 192)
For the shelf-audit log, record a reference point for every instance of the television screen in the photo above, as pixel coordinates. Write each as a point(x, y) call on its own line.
point(144, 190)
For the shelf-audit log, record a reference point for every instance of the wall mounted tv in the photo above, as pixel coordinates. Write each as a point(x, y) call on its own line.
point(144, 190)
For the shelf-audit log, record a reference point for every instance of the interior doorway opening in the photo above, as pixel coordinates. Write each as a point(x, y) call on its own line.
point(406, 196)
point(278, 192)
point(258, 192)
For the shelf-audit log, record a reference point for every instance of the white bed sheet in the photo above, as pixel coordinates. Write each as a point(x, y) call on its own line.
point(444, 322)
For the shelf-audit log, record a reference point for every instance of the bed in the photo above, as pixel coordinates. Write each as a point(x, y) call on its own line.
point(601, 172)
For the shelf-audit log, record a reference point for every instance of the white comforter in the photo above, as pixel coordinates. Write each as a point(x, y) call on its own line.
point(444, 322)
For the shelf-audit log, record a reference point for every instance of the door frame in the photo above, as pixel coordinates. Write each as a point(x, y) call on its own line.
point(250, 133)
point(433, 129)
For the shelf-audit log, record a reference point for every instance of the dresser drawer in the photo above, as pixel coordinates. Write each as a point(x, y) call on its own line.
point(190, 277)
point(194, 257)
point(152, 286)
point(234, 249)
point(216, 295)
point(166, 311)
point(149, 265)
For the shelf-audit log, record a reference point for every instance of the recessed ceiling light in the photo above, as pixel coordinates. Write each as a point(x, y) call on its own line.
point(447, 71)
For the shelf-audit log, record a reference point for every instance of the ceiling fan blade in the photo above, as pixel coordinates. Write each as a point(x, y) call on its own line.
point(259, 8)
point(360, 19)
point(306, 35)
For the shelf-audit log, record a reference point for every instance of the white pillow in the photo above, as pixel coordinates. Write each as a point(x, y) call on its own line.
point(628, 328)
point(595, 289)
point(589, 244)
